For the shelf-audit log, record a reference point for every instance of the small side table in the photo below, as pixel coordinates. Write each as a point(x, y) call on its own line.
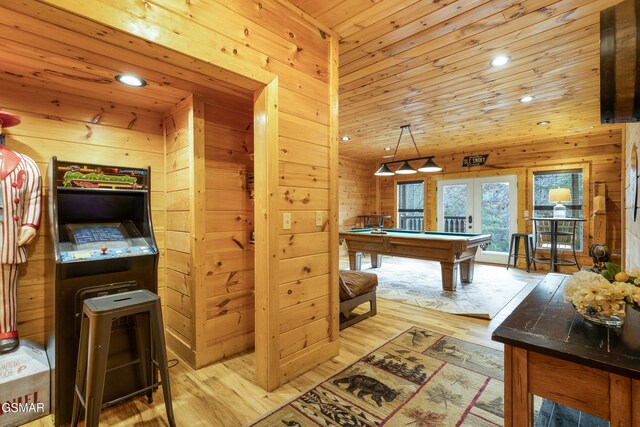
point(553, 257)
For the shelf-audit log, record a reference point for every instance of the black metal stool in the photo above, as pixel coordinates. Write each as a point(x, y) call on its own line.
point(529, 250)
point(98, 315)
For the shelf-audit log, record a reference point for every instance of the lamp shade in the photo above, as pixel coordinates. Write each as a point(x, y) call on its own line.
point(384, 171)
point(559, 195)
point(429, 166)
point(405, 169)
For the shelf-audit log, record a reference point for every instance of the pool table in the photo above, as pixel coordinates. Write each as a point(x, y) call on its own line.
point(455, 251)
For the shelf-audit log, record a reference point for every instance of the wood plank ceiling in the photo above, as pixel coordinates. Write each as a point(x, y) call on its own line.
point(427, 63)
point(47, 58)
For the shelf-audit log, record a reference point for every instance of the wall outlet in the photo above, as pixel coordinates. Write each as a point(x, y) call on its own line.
point(319, 221)
point(286, 221)
point(526, 213)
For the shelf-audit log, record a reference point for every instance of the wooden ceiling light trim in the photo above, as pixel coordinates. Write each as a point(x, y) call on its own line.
point(427, 63)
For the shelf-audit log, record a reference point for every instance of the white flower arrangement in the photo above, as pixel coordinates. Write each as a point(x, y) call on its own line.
point(604, 294)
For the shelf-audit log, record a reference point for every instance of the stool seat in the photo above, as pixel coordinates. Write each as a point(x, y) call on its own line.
point(126, 300)
point(356, 288)
point(98, 315)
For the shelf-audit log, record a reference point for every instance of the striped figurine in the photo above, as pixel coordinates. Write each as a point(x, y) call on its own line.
point(20, 211)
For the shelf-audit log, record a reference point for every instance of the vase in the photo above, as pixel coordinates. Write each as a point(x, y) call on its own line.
point(610, 321)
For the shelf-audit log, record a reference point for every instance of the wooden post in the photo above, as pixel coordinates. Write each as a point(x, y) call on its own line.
point(266, 224)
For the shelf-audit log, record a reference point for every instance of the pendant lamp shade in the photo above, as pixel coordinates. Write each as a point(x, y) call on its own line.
point(405, 169)
point(430, 166)
point(384, 171)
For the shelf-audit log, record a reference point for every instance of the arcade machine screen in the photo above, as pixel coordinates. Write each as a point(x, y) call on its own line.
point(103, 240)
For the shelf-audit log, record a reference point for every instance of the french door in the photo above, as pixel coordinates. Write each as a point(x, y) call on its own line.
point(480, 205)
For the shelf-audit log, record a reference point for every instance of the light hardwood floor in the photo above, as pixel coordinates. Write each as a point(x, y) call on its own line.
point(224, 394)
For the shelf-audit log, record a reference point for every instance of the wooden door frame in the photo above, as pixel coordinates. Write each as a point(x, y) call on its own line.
point(266, 164)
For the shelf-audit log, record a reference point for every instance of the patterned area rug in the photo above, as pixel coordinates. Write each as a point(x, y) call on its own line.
point(419, 378)
point(420, 283)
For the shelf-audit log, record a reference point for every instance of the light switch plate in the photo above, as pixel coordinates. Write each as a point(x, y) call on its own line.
point(526, 213)
point(319, 220)
point(286, 221)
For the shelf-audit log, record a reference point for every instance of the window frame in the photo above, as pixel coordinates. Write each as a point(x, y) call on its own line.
point(586, 197)
point(409, 179)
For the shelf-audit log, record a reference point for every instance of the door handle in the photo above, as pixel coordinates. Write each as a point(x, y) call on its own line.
point(470, 219)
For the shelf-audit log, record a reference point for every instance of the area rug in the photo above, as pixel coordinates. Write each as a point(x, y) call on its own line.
point(419, 283)
point(419, 378)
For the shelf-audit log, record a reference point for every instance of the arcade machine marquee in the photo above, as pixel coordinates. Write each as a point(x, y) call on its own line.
point(103, 243)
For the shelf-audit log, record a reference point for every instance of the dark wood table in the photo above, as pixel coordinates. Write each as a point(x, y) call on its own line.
point(552, 352)
point(553, 256)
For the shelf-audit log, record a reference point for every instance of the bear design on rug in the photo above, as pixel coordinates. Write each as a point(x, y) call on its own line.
point(368, 385)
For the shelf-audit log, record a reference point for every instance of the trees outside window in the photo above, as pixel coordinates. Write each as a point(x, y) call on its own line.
point(411, 205)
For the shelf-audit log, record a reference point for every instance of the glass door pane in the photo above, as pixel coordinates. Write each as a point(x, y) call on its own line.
point(496, 214)
point(454, 206)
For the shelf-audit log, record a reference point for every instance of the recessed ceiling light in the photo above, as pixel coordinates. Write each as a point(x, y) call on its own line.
point(387, 148)
point(346, 138)
point(387, 157)
point(526, 99)
point(500, 60)
point(131, 80)
point(544, 122)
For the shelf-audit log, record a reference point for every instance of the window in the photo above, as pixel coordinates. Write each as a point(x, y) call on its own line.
point(546, 180)
point(411, 205)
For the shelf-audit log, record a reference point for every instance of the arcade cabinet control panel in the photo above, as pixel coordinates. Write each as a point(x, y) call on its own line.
point(102, 241)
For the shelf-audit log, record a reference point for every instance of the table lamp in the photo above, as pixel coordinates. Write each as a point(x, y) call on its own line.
point(559, 196)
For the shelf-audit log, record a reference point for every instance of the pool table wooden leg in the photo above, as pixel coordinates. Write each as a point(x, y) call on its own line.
point(355, 260)
point(376, 260)
point(466, 270)
point(449, 275)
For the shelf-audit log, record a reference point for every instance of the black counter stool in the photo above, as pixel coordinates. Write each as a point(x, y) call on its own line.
point(98, 315)
point(529, 250)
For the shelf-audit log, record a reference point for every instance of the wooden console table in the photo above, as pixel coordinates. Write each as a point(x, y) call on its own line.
point(552, 352)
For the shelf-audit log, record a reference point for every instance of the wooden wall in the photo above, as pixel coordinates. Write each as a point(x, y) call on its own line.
point(178, 126)
point(632, 228)
point(600, 151)
point(272, 45)
point(355, 182)
point(229, 310)
point(353, 200)
point(63, 125)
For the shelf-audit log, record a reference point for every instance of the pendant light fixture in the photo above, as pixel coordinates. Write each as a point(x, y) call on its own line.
point(405, 168)
point(384, 171)
point(430, 166)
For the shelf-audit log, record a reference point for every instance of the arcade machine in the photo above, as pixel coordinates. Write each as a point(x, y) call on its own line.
point(103, 243)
